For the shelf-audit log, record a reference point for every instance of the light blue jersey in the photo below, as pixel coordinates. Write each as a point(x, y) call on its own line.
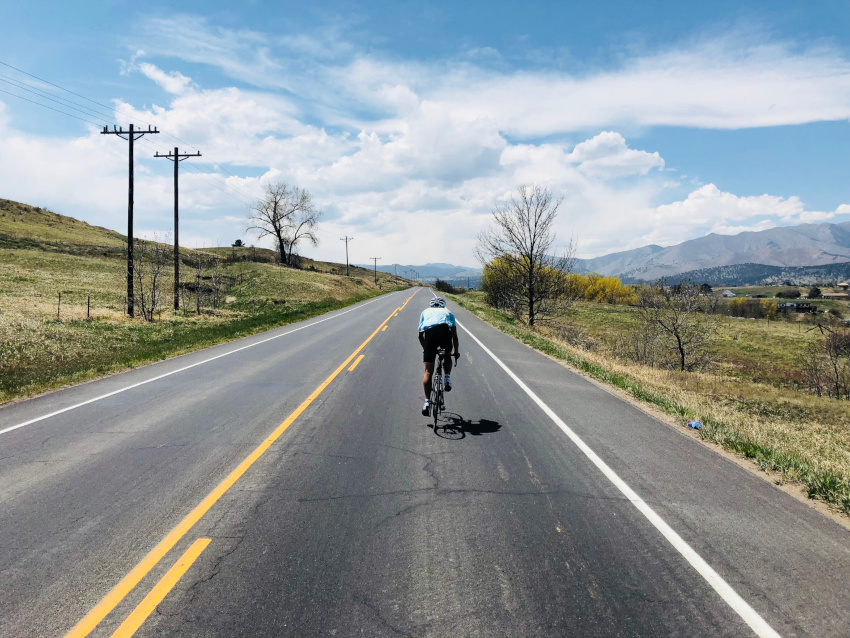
point(431, 317)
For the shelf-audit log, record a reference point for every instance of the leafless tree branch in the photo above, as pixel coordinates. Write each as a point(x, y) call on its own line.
point(286, 213)
point(516, 250)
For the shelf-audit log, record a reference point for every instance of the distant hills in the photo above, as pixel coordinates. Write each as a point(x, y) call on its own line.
point(762, 275)
point(750, 257)
point(431, 272)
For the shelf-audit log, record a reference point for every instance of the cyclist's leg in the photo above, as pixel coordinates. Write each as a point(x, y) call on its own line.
point(445, 342)
point(447, 361)
point(426, 380)
point(429, 354)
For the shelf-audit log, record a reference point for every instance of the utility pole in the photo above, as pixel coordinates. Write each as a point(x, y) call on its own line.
point(375, 259)
point(396, 269)
point(177, 158)
point(132, 136)
point(346, 239)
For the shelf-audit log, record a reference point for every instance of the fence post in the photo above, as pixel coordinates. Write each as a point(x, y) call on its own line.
point(88, 308)
point(58, 305)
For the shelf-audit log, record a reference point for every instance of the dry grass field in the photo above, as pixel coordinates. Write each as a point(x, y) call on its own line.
point(747, 399)
point(45, 343)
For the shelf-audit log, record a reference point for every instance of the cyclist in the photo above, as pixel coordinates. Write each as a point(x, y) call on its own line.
point(437, 328)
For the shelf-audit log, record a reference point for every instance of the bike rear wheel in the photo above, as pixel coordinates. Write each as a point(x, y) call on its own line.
point(436, 397)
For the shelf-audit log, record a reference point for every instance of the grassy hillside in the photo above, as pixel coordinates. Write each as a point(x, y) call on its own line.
point(31, 226)
point(45, 343)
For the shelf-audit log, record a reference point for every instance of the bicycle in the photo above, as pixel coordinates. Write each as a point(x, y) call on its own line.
point(437, 404)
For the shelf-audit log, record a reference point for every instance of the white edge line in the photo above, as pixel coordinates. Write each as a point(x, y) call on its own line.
point(747, 613)
point(183, 369)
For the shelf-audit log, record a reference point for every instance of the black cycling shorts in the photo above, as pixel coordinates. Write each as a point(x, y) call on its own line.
point(436, 337)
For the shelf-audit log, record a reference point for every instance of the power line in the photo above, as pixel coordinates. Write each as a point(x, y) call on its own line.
point(244, 191)
point(203, 176)
point(43, 95)
point(239, 193)
point(51, 84)
point(21, 97)
point(200, 171)
point(149, 144)
point(111, 109)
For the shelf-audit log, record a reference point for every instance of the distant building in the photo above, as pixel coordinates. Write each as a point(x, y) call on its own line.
point(844, 285)
point(838, 296)
point(728, 293)
point(797, 306)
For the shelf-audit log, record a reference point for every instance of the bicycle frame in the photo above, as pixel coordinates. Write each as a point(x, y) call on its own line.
point(437, 386)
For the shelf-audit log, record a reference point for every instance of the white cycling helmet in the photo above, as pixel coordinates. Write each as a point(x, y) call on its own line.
point(438, 302)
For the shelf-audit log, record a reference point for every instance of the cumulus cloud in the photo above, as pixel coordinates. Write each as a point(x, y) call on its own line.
point(710, 210)
point(411, 157)
point(607, 155)
point(708, 204)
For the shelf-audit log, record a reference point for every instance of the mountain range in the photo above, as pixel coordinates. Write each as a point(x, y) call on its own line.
point(804, 245)
point(432, 271)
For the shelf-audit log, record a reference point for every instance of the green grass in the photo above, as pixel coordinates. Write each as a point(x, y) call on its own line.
point(794, 436)
point(37, 227)
point(43, 347)
point(74, 351)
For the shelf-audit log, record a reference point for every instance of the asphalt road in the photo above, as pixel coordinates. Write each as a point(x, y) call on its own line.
point(326, 505)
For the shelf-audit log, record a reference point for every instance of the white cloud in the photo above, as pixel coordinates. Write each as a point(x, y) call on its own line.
point(607, 155)
point(726, 82)
point(174, 82)
point(714, 84)
point(410, 157)
point(710, 210)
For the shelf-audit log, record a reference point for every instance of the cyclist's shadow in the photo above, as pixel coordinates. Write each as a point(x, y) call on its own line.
point(454, 427)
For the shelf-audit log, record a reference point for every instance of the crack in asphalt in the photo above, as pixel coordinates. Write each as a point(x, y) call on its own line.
point(163, 446)
point(367, 603)
point(448, 491)
point(332, 456)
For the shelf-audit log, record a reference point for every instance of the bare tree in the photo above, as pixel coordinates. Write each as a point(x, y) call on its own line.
point(516, 249)
point(815, 368)
point(677, 312)
point(825, 363)
point(837, 349)
point(286, 213)
point(303, 226)
point(150, 262)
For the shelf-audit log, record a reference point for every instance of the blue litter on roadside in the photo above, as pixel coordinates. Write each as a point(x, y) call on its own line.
point(694, 424)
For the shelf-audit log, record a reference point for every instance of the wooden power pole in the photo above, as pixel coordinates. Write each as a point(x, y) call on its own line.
point(346, 239)
point(375, 259)
point(177, 157)
point(131, 135)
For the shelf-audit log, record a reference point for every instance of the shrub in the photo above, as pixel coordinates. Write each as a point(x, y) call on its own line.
point(445, 286)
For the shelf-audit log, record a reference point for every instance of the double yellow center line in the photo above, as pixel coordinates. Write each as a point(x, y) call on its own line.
point(126, 584)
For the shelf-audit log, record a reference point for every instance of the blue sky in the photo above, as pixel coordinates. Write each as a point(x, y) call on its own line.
point(656, 121)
